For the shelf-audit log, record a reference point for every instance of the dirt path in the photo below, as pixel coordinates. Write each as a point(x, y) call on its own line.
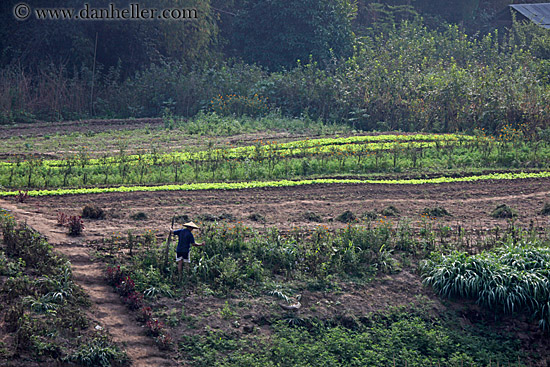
point(107, 309)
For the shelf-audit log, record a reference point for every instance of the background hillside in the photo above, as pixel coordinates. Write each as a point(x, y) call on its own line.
point(408, 65)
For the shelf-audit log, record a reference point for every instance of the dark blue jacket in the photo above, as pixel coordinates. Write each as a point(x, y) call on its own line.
point(185, 240)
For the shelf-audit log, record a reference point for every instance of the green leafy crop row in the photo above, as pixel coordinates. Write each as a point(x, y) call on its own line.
point(302, 147)
point(281, 183)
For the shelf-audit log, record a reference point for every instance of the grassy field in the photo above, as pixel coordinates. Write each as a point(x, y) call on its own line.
point(358, 156)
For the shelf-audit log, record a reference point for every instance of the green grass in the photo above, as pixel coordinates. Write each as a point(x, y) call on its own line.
point(512, 278)
point(194, 133)
point(400, 336)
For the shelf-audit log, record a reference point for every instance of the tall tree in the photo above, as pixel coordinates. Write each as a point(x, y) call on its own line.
point(276, 33)
point(133, 44)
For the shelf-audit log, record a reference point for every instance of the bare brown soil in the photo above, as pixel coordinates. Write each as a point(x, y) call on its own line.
point(469, 203)
point(44, 128)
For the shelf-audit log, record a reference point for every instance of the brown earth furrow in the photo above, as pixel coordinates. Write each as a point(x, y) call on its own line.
point(470, 204)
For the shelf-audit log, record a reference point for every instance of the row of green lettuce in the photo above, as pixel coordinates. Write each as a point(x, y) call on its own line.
point(281, 183)
point(353, 144)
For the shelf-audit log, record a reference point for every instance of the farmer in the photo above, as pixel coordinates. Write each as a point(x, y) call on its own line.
point(185, 241)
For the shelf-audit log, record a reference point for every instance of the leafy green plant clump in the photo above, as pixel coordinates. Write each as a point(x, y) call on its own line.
point(437, 211)
point(503, 211)
point(511, 278)
point(346, 217)
point(139, 216)
point(312, 217)
point(98, 352)
point(42, 307)
point(390, 211)
point(400, 336)
point(546, 209)
point(93, 212)
point(237, 257)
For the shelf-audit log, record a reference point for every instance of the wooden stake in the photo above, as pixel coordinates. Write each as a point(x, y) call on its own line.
point(93, 77)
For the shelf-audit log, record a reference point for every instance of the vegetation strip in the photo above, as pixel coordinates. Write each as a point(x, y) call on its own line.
point(281, 183)
point(309, 146)
point(512, 278)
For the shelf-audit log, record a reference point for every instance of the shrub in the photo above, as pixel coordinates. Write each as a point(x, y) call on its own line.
point(93, 212)
point(126, 287)
point(164, 342)
point(21, 197)
point(438, 211)
point(62, 219)
point(390, 211)
point(139, 216)
point(145, 314)
point(346, 217)
point(76, 225)
point(370, 215)
point(503, 211)
point(312, 217)
point(134, 301)
point(184, 218)
point(257, 217)
point(546, 209)
point(155, 327)
point(115, 275)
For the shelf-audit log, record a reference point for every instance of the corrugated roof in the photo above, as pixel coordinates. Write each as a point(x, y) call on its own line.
point(537, 13)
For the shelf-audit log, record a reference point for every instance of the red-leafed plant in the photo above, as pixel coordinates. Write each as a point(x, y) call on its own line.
point(134, 301)
point(114, 275)
point(145, 314)
point(155, 327)
point(62, 219)
point(21, 197)
point(164, 341)
point(76, 225)
point(126, 287)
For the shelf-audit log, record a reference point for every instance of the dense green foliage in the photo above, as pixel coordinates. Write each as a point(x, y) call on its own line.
point(236, 260)
point(277, 34)
point(512, 278)
point(128, 45)
point(43, 309)
point(397, 337)
point(363, 155)
point(403, 77)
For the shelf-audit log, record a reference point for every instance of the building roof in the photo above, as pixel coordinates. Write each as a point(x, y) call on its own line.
point(537, 13)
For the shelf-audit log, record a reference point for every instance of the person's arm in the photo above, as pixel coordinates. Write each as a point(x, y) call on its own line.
point(193, 243)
